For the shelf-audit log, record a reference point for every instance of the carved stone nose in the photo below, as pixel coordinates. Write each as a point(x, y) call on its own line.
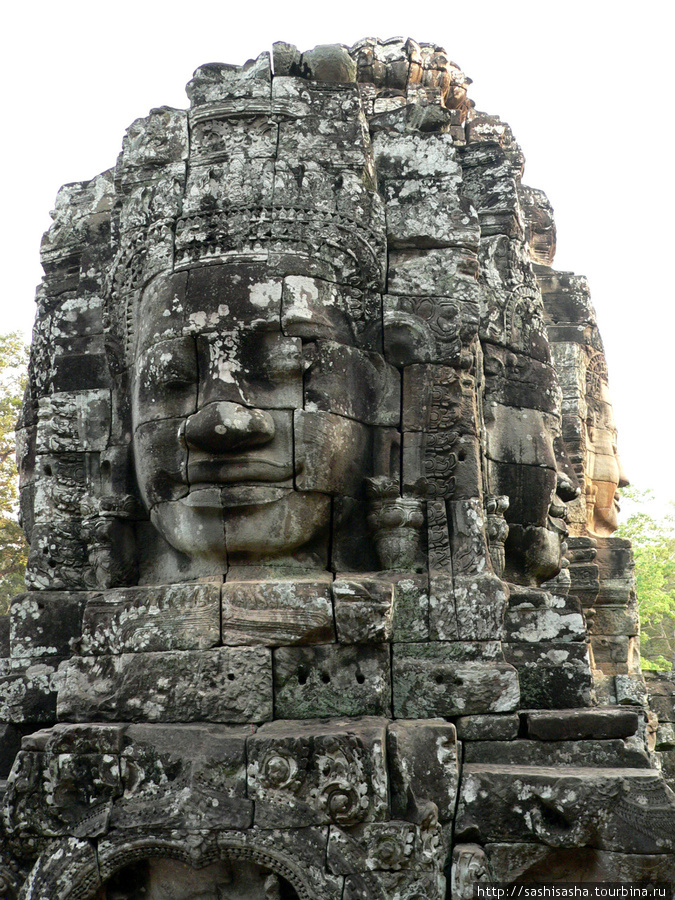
point(224, 426)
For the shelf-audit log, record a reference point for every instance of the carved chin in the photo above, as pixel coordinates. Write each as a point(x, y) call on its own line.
point(268, 530)
point(603, 519)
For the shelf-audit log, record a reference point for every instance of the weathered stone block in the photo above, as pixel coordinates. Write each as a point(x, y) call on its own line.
point(73, 421)
point(331, 453)
point(581, 807)
point(536, 626)
point(159, 138)
point(28, 689)
point(442, 608)
point(630, 690)
point(610, 650)
point(538, 863)
point(612, 753)
point(446, 272)
point(43, 623)
point(344, 680)
point(216, 135)
point(173, 364)
point(302, 773)
point(430, 681)
point(165, 459)
point(480, 602)
point(428, 329)
point(516, 381)
point(519, 436)
point(52, 794)
point(411, 608)
point(269, 367)
point(152, 619)
point(67, 865)
point(415, 155)
point(364, 609)
point(76, 739)
point(10, 742)
point(438, 398)
point(274, 612)
point(343, 143)
point(313, 308)
point(488, 727)
point(182, 776)
point(447, 461)
point(429, 213)
point(352, 383)
point(424, 766)
point(226, 684)
point(360, 850)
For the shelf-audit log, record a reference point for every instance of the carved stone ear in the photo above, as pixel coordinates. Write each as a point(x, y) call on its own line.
point(407, 339)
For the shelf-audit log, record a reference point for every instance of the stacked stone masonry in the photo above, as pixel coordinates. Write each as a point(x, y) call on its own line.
point(319, 475)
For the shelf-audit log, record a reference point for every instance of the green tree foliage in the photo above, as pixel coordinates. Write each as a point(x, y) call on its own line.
point(13, 547)
point(653, 541)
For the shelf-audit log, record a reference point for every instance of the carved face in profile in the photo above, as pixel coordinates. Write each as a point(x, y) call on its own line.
point(252, 409)
point(604, 474)
point(525, 460)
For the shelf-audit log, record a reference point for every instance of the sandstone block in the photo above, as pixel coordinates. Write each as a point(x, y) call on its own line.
point(28, 689)
point(43, 623)
point(575, 807)
point(226, 684)
point(322, 442)
point(424, 766)
point(364, 609)
point(438, 398)
point(541, 863)
point(428, 213)
point(579, 724)
point(427, 329)
point(480, 602)
point(447, 272)
point(429, 681)
point(442, 608)
point(605, 753)
point(488, 727)
point(349, 382)
point(274, 612)
point(448, 461)
point(411, 608)
point(159, 762)
point(344, 680)
point(307, 773)
point(152, 619)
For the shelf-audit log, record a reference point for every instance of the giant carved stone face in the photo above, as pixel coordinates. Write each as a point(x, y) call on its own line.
point(604, 474)
point(241, 382)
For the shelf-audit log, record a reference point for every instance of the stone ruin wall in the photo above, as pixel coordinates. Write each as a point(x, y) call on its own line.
point(409, 660)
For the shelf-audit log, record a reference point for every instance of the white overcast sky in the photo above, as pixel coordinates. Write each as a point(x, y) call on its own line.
point(586, 86)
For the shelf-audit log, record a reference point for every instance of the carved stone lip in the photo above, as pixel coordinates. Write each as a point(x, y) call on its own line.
point(237, 469)
point(212, 496)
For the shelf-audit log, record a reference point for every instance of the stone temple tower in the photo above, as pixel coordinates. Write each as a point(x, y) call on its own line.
point(319, 472)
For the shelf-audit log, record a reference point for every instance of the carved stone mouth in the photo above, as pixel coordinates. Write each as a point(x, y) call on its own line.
point(239, 470)
point(245, 494)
